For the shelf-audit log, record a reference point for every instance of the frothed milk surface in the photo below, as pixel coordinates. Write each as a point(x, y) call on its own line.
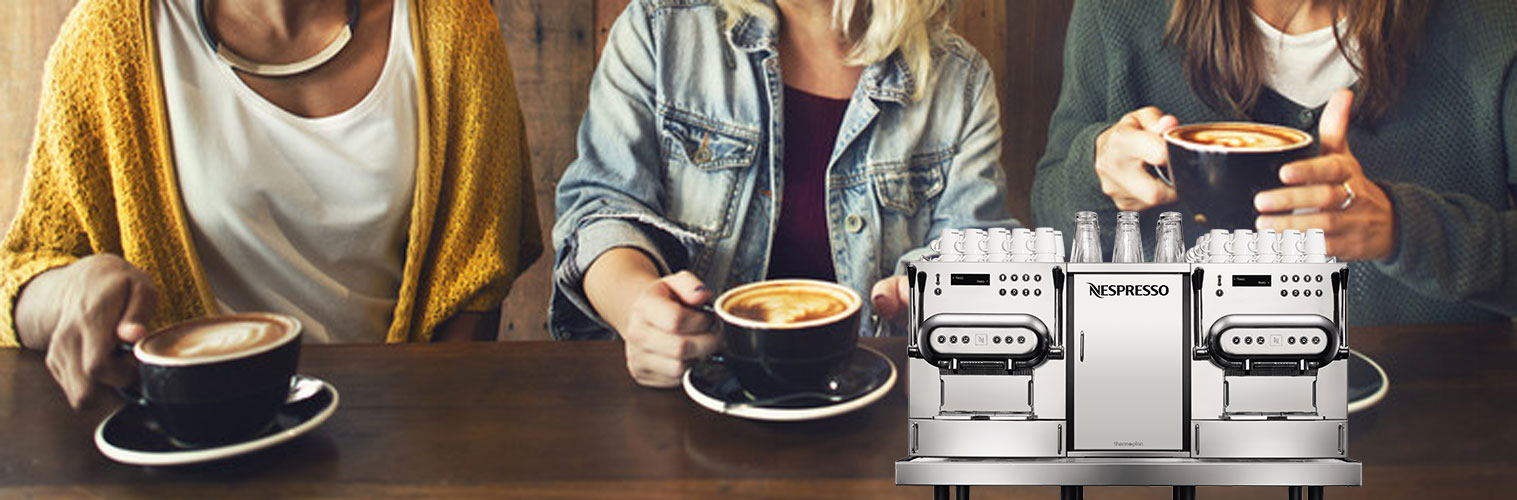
point(1241, 136)
point(787, 304)
point(214, 338)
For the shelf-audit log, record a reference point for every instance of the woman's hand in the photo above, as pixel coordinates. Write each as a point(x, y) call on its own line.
point(1352, 211)
point(1124, 150)
point(656, 316)
point(664, 331)
point(80, 313)
point(889, 297)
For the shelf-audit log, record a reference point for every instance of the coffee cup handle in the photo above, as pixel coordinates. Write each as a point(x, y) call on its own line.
point(934, 245)
point(129, 395)
point(1164, 174)
point(715, 357)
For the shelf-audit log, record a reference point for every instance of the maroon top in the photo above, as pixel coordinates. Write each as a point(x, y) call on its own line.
point(801, 247)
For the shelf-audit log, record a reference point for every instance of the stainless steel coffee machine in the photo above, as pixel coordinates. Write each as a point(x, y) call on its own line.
point(1214, 373)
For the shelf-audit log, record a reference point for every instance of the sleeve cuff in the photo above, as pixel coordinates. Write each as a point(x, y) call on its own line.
point(606, 234)
point(14, 281)
point(571, 316)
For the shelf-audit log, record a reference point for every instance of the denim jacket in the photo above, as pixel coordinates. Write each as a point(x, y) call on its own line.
point(680, 157)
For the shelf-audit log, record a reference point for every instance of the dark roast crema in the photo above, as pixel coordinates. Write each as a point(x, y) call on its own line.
point(215, 338)
point(782, 304)
point(1242, 136)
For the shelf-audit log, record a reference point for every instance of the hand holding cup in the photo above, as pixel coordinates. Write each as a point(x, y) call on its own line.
point(81, 313)
point(1331, 192)
point(1123, 154)
point(665, 330)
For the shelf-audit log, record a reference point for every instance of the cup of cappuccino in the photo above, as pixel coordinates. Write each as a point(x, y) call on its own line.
point(1217, 168)
point(789, 335)
point(219, 379)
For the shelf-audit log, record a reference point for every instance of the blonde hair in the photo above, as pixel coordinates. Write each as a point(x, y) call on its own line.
point(876, 28)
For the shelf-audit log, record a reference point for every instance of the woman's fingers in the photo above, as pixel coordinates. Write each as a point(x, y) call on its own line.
point(1123, 153)
point(1330, 169)
point(1311, 196)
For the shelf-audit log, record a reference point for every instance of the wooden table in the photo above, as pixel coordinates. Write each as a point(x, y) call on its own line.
point(555, 420)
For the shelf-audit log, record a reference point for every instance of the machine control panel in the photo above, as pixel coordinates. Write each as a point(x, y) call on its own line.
point(1286, 285)
point(1011, 342)
point(1252, 342)
point(999, 283)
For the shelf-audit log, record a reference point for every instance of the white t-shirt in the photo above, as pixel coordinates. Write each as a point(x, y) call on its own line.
point(303, 216)
point(1306, 68)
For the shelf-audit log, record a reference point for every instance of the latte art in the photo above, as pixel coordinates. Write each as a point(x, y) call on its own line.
point(1240, 136)
point(214, 338)
point(787, 305)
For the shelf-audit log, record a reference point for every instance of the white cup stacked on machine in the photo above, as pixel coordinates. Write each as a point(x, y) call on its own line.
point(976, 243)
point(998, 245)
point(1044, 244)
point(1243, 246)
point(949, 246)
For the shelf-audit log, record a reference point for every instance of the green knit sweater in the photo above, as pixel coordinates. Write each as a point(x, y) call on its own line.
point(1446, 153)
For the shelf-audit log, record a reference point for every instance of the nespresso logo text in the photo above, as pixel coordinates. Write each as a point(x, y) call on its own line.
point(1129, 444)
point(1100, 291)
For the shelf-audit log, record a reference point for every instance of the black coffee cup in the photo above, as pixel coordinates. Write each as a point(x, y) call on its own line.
point(217, 380)
point(786, 336)
point(1217, 168)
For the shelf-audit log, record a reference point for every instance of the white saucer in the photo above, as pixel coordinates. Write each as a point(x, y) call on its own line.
point(717, 390)
point(130, 436)
point(1374, 397)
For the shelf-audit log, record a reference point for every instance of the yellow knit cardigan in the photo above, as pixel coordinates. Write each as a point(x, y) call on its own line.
point(101, 174)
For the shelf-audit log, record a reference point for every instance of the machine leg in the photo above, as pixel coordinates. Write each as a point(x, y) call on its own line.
point(961, 493)
point(1185, 493)
point(1295, 493)
point(1314, 493)
point(939, 493)
point(1071, 493)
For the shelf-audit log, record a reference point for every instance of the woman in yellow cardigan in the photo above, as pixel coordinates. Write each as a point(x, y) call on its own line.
point(359, 164)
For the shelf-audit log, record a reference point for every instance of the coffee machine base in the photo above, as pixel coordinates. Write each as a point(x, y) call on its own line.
point(1073, 474)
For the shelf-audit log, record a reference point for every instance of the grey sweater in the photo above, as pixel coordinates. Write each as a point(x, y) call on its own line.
point(1446, 153)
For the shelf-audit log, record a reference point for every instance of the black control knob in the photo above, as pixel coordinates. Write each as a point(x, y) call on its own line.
point(1236, 340)
point(953, 339)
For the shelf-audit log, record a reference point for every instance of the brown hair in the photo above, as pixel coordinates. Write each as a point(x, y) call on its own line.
point(1223, 52)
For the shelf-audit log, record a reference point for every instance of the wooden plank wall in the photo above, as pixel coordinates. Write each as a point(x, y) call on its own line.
point(554, 45)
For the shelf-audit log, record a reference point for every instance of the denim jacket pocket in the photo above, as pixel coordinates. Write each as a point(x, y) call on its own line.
point(905, 186)
point(705, 164)
point(706, 146)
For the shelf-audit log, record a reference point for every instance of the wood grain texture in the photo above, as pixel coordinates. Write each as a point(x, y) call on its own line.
point(553, 46)
point(29, 28)
point(560, 420)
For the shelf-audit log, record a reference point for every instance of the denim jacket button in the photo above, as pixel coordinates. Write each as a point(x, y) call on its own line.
point(702, 155)
point(1306, 116)
point(853, 223)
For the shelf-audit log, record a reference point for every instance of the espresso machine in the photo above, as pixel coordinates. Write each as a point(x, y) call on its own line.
point(1212, 372)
